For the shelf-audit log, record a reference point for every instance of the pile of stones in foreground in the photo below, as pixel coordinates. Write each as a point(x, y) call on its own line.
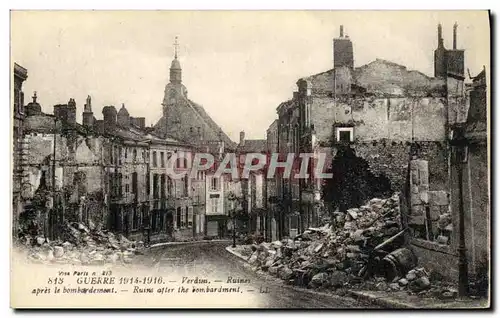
point(81, 246)
point(337, 256)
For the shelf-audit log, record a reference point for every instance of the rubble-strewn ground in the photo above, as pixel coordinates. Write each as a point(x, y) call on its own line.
point(80, 245)
point(351, 254)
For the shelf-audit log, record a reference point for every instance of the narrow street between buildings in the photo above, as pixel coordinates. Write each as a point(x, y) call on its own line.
point(211, 261)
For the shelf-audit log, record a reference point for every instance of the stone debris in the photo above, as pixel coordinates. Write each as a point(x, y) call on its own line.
point(82, 245)
point(352, 252)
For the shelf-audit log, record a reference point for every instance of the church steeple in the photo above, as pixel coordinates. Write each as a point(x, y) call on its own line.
point(175, 67)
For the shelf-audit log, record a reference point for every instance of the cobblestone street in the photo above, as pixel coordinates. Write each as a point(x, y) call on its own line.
point(211, 261)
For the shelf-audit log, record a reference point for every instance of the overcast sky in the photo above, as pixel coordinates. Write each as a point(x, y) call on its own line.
point(239, 65)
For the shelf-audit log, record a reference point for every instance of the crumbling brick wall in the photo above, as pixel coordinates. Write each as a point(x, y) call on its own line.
point(386, 158)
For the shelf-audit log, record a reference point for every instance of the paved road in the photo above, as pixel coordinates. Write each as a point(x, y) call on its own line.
point(212, 262)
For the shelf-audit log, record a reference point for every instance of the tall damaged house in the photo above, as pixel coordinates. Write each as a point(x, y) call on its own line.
point(20, 75)
point(392, 127)
point(64, 170)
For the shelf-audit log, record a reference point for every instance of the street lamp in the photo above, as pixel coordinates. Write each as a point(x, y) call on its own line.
point(459, 141)
point(232, 198)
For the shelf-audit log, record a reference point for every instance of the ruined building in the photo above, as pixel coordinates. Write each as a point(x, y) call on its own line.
point(381, 110)
point(101, 172)
point(20, 75)
point(64, 169)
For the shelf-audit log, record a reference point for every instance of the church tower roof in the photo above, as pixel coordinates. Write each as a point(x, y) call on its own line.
point(123, 111)
point(175, 67)
point(33, 108)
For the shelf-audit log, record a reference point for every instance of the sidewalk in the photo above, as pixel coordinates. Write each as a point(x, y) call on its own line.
point(185, 243)
point(401, 299)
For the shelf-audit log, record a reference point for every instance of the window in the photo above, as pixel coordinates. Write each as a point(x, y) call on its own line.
point(162, 220)
point(169, 186)
point(183, 218)
point(155, 161)
point(127, 184)
point(119, 156)
point(153, 221)
point(214, 185)
point(134, 155)
point(345, 134)
point(134, 182)
point(155, 186)
point(186, 186)
point(162, 159)
point(148, 184)
point(215, 204)
point(120, 184)
point(190, 216)
point(178, 218)
point(125, 151)
point(181, 161)
point(163, 185)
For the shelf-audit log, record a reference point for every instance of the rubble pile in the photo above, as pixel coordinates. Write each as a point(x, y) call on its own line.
point(416, 282)
point(80, 245)
point(363, 247)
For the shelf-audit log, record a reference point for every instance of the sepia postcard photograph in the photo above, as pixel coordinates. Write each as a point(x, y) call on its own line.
point(250, 159)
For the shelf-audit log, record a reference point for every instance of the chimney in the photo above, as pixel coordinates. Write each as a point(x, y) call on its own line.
point(88, 115)
point(341, 31)
point(71, 112)
point(88, 105)
point(242, 138)
point(109, 114)
point(440, 35)
point(455, 36)
point(61, 112)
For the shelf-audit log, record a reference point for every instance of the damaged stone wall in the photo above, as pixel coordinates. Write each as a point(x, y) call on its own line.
point(394, 118)
point(429, 217)
point(458, 107)
point(390, 158)
point(78, 172)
